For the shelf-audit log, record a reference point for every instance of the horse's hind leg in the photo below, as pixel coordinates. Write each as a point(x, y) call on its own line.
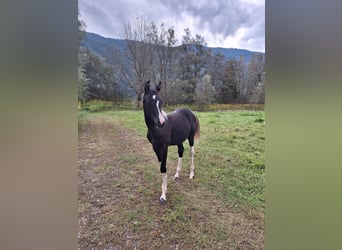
point(192, 153)
point(180, 157)
point(192, 166)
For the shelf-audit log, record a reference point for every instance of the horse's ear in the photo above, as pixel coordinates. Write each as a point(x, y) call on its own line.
point(147, 87)
point(158, 88)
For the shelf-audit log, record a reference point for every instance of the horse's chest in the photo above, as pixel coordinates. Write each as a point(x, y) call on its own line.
point(160, 138)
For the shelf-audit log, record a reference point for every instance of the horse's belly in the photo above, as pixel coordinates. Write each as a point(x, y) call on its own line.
point(179, 137)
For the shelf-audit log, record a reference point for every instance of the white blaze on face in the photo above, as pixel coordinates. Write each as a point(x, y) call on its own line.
point(161, 115)
point(164, 113)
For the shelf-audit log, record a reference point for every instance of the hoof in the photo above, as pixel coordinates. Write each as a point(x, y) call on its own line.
point(162, 201)
point(175, 178)
point(191, 177)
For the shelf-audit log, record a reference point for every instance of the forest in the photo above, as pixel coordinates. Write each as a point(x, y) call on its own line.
point(189, 70)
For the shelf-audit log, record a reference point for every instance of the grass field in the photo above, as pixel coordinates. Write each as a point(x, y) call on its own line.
point(120, 184)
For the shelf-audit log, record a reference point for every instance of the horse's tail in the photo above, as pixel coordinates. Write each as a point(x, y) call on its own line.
point(197, 129)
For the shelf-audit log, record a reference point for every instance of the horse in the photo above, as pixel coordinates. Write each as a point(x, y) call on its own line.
point(164, 130)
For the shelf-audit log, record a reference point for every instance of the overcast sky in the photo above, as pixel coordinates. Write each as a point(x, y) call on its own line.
point(222, 23)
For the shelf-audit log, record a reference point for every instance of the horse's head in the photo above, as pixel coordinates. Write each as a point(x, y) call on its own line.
point(152, 103)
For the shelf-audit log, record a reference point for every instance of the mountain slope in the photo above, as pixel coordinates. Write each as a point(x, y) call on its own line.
point(104, 46)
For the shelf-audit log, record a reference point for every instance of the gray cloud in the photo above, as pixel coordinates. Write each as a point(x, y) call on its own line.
point(220, 18)
point(220, 22)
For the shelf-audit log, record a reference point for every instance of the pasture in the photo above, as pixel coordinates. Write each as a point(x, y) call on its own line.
point(119, 184)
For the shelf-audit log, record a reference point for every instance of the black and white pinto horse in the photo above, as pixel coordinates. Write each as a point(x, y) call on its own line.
point(166, 130)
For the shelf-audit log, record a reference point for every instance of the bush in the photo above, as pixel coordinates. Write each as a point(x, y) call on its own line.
point(100, 105)
point(217, 107)
point(97, 106)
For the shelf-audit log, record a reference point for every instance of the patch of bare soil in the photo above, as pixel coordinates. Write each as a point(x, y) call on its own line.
point(119, 188)
point(103, 189)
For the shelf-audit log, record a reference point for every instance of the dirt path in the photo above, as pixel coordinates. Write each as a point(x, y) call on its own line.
point(103, 190)
point(119, 188)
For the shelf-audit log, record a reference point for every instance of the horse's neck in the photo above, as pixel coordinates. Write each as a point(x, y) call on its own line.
point(149, 122)
point(150, 126)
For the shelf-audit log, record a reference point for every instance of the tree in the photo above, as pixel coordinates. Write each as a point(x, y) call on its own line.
point(217, 68)
point(204, 93)
point(255, 79)
point(193, 62)
point(240, 79)
point(177, 90)
point(164, 41)
point(83, 81)
point(227, 91)
point(81, 29)
point(138, 68)
point(82, 59)
point(258, 95)
point(102, 83)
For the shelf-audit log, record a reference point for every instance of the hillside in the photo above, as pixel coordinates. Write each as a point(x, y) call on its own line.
point(241, 81)
point(103, 46)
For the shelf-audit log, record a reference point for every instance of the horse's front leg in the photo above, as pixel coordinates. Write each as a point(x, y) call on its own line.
point(180, 157)
point(156, 149)
point(163, 155)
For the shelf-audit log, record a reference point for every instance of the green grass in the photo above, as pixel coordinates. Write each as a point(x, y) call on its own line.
point(233, 156)
point(215, 107)
point(100, 105)
point(216, 210)
point(230, 156)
